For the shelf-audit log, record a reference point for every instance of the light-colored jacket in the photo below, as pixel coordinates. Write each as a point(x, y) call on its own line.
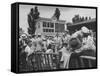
point(65, 57)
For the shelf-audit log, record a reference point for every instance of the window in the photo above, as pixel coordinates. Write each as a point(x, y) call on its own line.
point(52, 30)
point(48, 24)
point(44, 24)
point(52, 25)
point(44, 30)
point(59, 27)
point(47, 30)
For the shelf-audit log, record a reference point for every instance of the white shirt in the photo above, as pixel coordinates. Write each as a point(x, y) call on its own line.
point(58, 41)
point(49, 41)
point(49, 51)
point(88, 43)
point(66, 39)
point(65, 57)
point(45, 44)
point(28, 50)
point(76, 34)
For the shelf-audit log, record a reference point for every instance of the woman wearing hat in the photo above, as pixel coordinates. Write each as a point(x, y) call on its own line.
point(86, 48)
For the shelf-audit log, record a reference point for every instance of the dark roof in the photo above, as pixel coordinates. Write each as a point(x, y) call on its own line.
point(88, 21)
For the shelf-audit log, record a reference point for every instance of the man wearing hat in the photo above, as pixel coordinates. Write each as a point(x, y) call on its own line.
point(85, 38)
point(84, 30)
point(87, 47)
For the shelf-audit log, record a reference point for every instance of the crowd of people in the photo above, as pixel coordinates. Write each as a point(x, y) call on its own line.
point(81, 42)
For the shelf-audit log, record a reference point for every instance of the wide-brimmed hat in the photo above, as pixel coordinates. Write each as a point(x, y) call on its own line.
point(74, 43)
point(85, 29)
point(23, 36)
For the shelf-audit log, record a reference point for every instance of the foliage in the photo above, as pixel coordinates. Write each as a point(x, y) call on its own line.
point(57, 13)
point(32, 16)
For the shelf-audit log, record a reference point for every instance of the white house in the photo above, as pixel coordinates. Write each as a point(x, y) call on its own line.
point(50, 26)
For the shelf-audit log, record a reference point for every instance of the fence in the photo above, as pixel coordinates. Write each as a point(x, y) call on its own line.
point(88, 61)
point(45, 61)
point(49, 61)
point(82, 62)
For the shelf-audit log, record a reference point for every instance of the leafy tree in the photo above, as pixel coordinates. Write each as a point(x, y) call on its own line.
point(57, 13)
point(32, 16)
point(21, 31)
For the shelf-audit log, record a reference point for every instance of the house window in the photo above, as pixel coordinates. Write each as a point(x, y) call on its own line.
point(52, 25)
point(44, 30)
point(44, 24)
point(47, 30)
point(52, 30)
point(59, 27)
point(48, 24)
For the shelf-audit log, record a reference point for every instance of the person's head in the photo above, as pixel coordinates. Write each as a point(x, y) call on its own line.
point(66, 32)
point(36, 36)
point(52, 46)
point(64, 44)
point(57, 34)
point(29, 44)
point(23, 36)
point(49, 46)
point(33, 36)
point(39, 36)
point(85, 31)
point(91, 33)
point(31, 11)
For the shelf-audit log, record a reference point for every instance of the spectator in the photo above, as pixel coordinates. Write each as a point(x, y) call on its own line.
point(65, 55)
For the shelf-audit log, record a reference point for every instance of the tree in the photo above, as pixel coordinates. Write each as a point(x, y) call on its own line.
point(21, 31)
point(32, 16)
point(57, 13)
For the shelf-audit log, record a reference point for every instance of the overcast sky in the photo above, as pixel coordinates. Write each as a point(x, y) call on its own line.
point(67, 13)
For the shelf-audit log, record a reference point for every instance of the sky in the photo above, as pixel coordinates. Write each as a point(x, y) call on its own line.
point(67, 13)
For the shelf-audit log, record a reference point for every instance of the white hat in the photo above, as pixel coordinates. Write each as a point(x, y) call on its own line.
point(74, 35)
point(39, 34)
point(85, 29)
point(23, 36)
point(43, 38)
